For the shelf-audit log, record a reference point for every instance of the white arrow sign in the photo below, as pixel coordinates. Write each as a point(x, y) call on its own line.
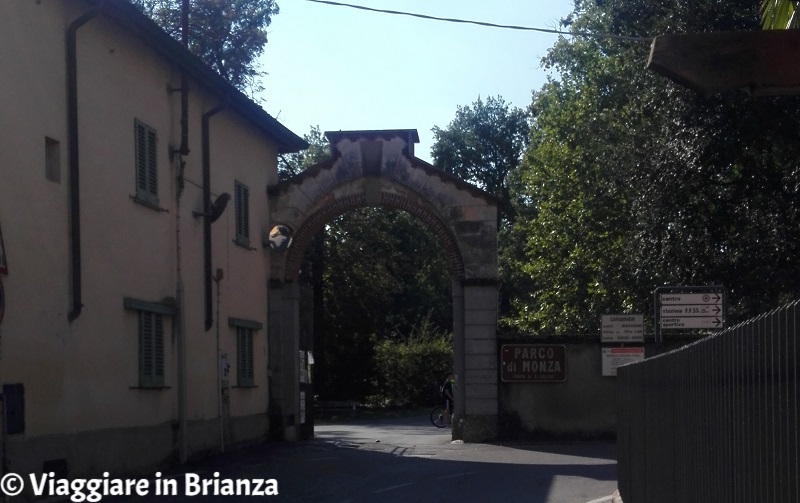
point(690, 298)
point(691, 310)
point(692, 322)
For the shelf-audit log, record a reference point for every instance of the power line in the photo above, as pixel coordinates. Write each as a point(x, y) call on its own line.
point(482, 23)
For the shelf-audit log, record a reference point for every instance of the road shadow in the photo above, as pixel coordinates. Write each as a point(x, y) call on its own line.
point(344, 465)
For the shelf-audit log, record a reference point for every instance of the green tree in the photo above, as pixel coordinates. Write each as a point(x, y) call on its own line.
point(229, 36)
point(565, 259)
point(779, 14)
point(410, 370)
point(384, 274)
point(482, 145)
point(318, 151)
point(632, 182)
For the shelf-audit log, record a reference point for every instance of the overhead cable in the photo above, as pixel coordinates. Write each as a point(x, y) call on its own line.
point(483, 23)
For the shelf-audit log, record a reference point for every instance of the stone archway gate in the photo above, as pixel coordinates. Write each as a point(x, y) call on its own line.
point(378, 168)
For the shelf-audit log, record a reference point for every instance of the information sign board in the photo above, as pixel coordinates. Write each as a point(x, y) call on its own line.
point(614, 358)
point(623, 328)
point(533, 363)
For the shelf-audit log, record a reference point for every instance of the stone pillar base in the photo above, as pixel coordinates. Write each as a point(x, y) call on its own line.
point(290, 433)
point(478, 428)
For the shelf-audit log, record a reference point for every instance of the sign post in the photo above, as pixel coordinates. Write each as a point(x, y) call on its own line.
point(688, 308)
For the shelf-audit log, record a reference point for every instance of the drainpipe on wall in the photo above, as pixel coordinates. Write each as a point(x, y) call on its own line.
point(217, 279)
point(74, 158)
point(180, 322)
point(207, 212)
point(184, 148)
point(183, 443)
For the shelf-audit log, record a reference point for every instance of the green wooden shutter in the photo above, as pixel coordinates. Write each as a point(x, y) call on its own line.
point(244, 356)
point(242, 203)
point(141, 158)
point(158, 350)
point(151, 350)
point(152, 170)
point(146, 162)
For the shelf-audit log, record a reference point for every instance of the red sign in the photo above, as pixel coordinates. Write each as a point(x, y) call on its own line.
point(533, 363)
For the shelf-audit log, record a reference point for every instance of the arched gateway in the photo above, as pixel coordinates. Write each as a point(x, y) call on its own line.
point(378, 168)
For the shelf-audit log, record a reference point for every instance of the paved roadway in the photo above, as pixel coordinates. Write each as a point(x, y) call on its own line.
point(401, 460)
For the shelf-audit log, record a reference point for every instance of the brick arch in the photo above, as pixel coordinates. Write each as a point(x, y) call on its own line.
point(314, 223)
point(378, 169)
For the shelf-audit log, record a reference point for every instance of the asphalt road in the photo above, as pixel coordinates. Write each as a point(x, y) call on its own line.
point(400, 460)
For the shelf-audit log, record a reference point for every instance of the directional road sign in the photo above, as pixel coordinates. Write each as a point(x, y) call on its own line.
point(692, 322)
point(693, 310)
point(693, 307)
point(690, 298)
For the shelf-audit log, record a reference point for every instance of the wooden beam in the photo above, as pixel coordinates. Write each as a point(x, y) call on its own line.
point(759, 62)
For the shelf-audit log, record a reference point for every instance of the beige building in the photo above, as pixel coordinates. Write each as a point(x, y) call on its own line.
point(118, 282)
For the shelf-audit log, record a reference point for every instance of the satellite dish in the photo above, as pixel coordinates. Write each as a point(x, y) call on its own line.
point(218, 206)
point(216, 209)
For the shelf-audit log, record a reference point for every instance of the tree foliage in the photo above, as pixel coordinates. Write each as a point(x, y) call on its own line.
point(482, 145)
point(779, 14)
point(229, 36)
point(384, 274)
point(632, 182)
point(410, 370)
point(318, 151)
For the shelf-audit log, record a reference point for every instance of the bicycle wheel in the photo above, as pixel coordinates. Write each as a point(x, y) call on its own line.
point(437, 417)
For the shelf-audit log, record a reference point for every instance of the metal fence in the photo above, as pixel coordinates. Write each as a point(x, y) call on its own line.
point(715, 421)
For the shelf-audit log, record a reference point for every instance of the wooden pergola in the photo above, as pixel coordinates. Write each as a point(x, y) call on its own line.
point(759, 62)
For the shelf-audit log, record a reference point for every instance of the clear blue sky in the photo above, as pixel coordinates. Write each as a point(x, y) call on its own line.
point(341, 68)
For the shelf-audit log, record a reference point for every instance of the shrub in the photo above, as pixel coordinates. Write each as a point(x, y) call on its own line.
point(409, 371)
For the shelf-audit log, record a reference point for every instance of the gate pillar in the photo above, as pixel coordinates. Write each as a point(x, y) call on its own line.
point(284, 363)
point(458, 358)
point(480, 360)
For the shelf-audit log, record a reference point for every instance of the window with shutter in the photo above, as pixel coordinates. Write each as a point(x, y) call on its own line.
point(245, 367)
point(242, 203)
point(146, 163)
point(152, 357)
point(244, 356)
point(151, 350)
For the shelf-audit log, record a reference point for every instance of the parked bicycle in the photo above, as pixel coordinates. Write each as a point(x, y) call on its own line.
point(439, 418)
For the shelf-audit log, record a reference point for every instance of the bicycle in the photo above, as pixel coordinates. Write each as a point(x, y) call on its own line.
point(438, 417)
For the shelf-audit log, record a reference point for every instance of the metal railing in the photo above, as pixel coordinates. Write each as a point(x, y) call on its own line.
point(714, 421)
